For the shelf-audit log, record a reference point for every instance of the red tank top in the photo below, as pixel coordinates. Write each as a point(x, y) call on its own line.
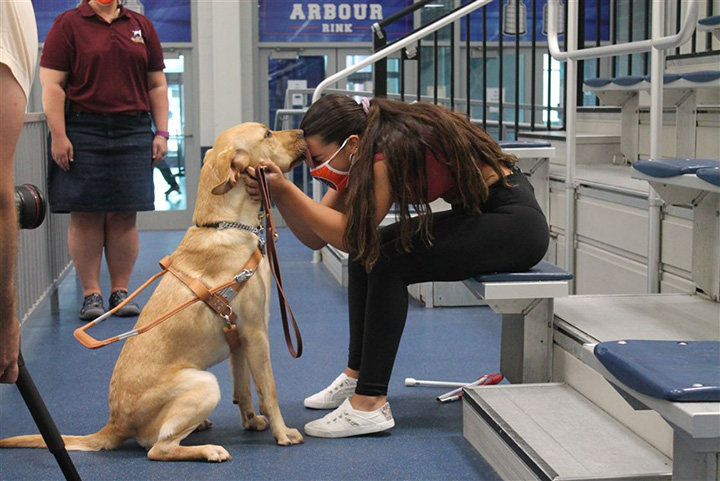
point(440, 181)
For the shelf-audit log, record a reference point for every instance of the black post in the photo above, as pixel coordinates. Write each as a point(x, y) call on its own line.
point(598, 33)
point(452, 66)
point(533, 22)
point(517, 71)
point(500, 72)
point(646, 55)
point(380, 67)
point(435, 67)
point(468, 63)
point(581, 64)
point(631, 24)
point(484, 69)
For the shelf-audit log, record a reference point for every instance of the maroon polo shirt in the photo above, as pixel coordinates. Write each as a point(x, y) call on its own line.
point(108, 63)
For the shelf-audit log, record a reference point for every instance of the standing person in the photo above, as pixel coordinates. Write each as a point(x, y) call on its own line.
point(102, 74)
point(18, 56)
point(388, 152)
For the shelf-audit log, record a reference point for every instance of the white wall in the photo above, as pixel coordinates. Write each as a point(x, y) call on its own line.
point(227, 61)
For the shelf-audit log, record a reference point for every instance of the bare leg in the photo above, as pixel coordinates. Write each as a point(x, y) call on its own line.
point(121, 247)
point(86, 236)
point(12, 116)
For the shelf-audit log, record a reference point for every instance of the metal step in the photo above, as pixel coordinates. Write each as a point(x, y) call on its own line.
point(551, 432)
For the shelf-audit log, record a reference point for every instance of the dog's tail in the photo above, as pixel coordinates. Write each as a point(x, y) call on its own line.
point(107, 438)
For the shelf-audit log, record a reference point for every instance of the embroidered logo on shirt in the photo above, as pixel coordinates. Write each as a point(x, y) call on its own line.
point(137, 36)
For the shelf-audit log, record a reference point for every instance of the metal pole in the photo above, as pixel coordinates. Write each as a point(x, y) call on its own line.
point(657, 62)
point(570, 143)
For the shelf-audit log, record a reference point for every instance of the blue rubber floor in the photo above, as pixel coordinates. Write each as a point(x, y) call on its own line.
point(456, 344)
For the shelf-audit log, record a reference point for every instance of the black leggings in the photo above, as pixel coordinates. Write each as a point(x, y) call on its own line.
point(510, 235)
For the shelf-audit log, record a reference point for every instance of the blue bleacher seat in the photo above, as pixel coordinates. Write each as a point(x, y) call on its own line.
point(668, 78)
point(628, 81)
point(523, 144)
point(711, 175)
point(542, 271)
point(598, 82)
point(673, 370)
point(713, 21)
point(672, 167)
point(701, 76)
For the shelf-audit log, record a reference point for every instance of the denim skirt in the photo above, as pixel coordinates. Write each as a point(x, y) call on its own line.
point(112, 168)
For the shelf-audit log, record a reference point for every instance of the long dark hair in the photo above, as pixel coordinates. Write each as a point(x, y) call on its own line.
point(404, 133)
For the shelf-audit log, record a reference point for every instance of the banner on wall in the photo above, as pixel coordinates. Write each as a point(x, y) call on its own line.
point(329, 21)
point(170, 18)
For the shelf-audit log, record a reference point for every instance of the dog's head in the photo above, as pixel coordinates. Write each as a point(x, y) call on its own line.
point(234, 151)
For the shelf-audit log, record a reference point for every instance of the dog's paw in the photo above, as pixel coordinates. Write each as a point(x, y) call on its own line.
point(289, 437)
point(256, 423)
point(216, 454)
point(203, 425)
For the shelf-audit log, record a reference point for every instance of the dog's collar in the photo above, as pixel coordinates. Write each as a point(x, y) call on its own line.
point(233, 225)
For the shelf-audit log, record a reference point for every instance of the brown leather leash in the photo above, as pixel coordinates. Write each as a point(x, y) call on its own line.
point(218, 299)
point(270, 236)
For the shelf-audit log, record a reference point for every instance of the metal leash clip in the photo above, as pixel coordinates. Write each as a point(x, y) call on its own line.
point(244, 275)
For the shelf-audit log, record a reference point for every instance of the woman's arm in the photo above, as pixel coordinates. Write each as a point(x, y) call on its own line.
point(157, 92)
point(317, 224)
point(53, 99)
point(293, 203)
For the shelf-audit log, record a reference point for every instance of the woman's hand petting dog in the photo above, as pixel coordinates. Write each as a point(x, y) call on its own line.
point(273, 175)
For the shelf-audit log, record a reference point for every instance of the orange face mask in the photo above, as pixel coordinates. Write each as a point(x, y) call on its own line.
point(325, 173)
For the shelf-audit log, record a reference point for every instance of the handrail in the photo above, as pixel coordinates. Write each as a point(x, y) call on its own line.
point(662, 43)
point(657, 45)
point(467, 9)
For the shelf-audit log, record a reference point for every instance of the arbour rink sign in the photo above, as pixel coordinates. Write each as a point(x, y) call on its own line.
point(329, 21)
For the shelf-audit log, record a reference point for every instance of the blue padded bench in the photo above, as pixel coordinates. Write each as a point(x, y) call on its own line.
point(525, 301)
point(524, 144)
point(680, 380)
point(692, 182)
point(710, 24)
point(664, 168)
point(710, 174)
point(677, 180)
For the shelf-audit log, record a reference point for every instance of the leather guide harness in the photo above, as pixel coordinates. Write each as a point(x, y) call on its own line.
point(218, 299)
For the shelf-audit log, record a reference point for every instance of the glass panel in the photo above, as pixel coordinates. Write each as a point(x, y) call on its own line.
point(169, 174)
point(362, 80)
point(551, 91)
point(304, 72)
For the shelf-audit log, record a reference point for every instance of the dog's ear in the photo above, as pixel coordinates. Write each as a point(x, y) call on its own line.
point(231, 164)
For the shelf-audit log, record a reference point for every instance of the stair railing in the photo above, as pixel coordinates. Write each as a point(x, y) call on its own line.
point(657, 45)
point(395, 46)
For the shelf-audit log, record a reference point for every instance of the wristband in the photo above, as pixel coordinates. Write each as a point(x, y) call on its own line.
point(163, 133)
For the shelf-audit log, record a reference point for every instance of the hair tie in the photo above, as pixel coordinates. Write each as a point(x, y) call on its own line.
point(365, 102)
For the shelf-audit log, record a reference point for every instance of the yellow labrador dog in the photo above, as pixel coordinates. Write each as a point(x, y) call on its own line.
point(160, 391)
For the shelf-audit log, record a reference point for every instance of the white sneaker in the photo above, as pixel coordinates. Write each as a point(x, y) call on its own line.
point(332, 396)
point(346, 421)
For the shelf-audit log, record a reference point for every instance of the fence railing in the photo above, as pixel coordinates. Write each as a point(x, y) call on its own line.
point(43, 257)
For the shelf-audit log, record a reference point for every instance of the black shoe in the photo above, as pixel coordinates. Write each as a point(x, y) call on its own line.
point(174, 188)
point(92, 307)
point(128, 310)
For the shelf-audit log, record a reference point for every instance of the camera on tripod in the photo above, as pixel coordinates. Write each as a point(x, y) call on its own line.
point(31, 206)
